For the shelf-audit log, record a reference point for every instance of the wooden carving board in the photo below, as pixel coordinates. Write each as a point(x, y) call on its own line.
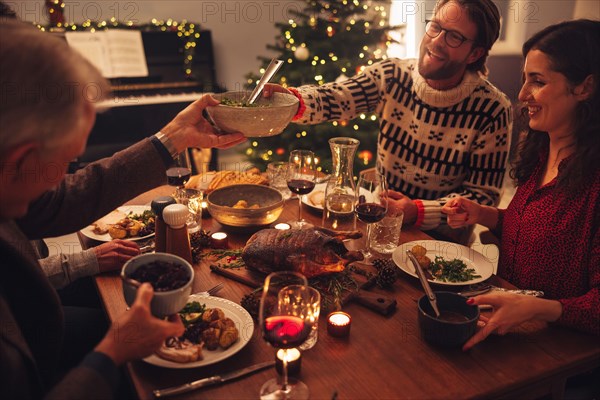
point(254, 279)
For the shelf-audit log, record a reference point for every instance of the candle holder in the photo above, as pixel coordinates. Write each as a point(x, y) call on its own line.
point(205, 213)
point(294, 361)
point(282, 226)
point(338, 324)
point(219, 240)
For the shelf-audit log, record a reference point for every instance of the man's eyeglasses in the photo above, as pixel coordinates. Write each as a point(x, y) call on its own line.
point(452, 38)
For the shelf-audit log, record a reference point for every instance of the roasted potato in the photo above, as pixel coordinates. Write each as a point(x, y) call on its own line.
point(213, 314)
point(419, 251)
point(117, 232)
point(228, 337)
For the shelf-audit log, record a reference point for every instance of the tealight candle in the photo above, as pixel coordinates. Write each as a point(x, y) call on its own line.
point(294, 361)
point(338, 324)
point(282, 226)
point(219, 240)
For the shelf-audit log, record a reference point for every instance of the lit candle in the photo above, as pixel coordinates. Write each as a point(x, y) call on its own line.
point(338, 324)
point(204, 205)
point(219, 240)
point(294, 360)
point(282, 226)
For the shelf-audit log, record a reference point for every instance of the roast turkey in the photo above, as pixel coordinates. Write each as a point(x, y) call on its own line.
point(311, 252)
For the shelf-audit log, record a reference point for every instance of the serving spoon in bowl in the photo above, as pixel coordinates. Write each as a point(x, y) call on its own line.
point(271, 70)
point(424, 283)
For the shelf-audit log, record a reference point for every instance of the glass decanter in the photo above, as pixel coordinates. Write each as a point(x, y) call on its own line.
point(338, 207)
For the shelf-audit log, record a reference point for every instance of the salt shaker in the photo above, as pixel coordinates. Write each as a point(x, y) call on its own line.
point(160, 229)
point(178, 239)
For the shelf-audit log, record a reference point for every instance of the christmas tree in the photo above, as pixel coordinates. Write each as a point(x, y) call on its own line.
point(329, 40)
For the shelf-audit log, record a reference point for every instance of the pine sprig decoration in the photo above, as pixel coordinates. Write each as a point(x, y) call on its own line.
point(387, 273)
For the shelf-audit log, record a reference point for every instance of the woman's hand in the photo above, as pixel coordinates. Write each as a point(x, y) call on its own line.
point(137, 333)
point(190, 129)
point(112, 255)
point(510, 311)
point(461, 212)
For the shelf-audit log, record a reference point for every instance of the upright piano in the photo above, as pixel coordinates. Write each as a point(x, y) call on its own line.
point(142, 106)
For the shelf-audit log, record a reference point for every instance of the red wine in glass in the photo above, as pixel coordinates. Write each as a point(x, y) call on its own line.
point(301, 186)
point(286, 331)
point(178, 176)
point(370, 212)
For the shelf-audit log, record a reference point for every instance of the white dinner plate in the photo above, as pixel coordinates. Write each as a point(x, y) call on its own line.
point(89, 230)
point(243, 322)
point(319, 187)
point(449, 251)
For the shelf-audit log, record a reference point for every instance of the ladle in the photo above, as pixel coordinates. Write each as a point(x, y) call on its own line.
point(424, 283)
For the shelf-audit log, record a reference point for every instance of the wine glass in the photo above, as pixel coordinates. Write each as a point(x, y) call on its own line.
point(286, 323)
point(179, 173)
point(301, 179)
point(371, 203)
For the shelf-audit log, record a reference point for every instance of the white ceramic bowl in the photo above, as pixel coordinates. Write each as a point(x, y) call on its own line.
point(163, 303)
point(268, 118)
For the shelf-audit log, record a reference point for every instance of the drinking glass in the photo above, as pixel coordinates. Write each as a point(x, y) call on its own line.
point(301, 179)
point(179, 173)
point(371, 203)
point(192, 199)
point(285, 323)
point(277, 175)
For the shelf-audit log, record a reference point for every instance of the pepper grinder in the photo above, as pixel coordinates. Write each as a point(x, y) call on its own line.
point(160, 229)
point(178, 239)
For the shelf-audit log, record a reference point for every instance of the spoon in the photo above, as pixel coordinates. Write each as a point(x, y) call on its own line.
point(269, 72)
point(131, 281)
point(424, 283)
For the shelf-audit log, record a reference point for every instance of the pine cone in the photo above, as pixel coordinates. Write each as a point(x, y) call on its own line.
point(199, 241)
point(251, 302)
point(387, 273)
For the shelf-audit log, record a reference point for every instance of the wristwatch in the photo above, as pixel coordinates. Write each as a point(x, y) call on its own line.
point(164, 139)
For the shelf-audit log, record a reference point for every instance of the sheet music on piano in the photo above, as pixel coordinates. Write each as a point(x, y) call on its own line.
point(116, 53)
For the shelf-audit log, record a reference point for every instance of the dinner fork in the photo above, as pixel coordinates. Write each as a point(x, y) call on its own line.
point(210, 292)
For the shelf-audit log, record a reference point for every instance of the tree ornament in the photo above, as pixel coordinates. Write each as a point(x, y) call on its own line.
point(301, 53)
point(280, 151)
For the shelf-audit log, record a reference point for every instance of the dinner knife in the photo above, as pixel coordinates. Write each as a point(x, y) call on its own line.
point(213, 380)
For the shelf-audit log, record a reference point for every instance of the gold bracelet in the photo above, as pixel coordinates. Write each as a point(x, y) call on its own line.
point(164, 139)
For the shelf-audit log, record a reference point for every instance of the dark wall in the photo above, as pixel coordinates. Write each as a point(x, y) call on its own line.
point(505, 74)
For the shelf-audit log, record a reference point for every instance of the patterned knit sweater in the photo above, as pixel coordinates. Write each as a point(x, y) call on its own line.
point(432, 144)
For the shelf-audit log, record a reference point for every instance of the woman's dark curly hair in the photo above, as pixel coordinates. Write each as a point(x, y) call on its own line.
point(574, 51)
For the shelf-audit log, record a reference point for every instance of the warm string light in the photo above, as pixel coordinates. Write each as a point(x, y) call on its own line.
point(187, 32)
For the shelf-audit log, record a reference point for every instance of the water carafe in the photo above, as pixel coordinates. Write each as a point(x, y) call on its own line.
point(338, 206)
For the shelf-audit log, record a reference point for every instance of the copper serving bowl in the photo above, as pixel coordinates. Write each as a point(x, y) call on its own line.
point(264, 205)
point(266, 117)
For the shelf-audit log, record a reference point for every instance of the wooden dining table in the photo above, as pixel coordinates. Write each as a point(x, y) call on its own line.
point(384, 357)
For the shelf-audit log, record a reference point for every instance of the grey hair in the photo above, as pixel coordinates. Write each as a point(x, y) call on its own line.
point(44, 86)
